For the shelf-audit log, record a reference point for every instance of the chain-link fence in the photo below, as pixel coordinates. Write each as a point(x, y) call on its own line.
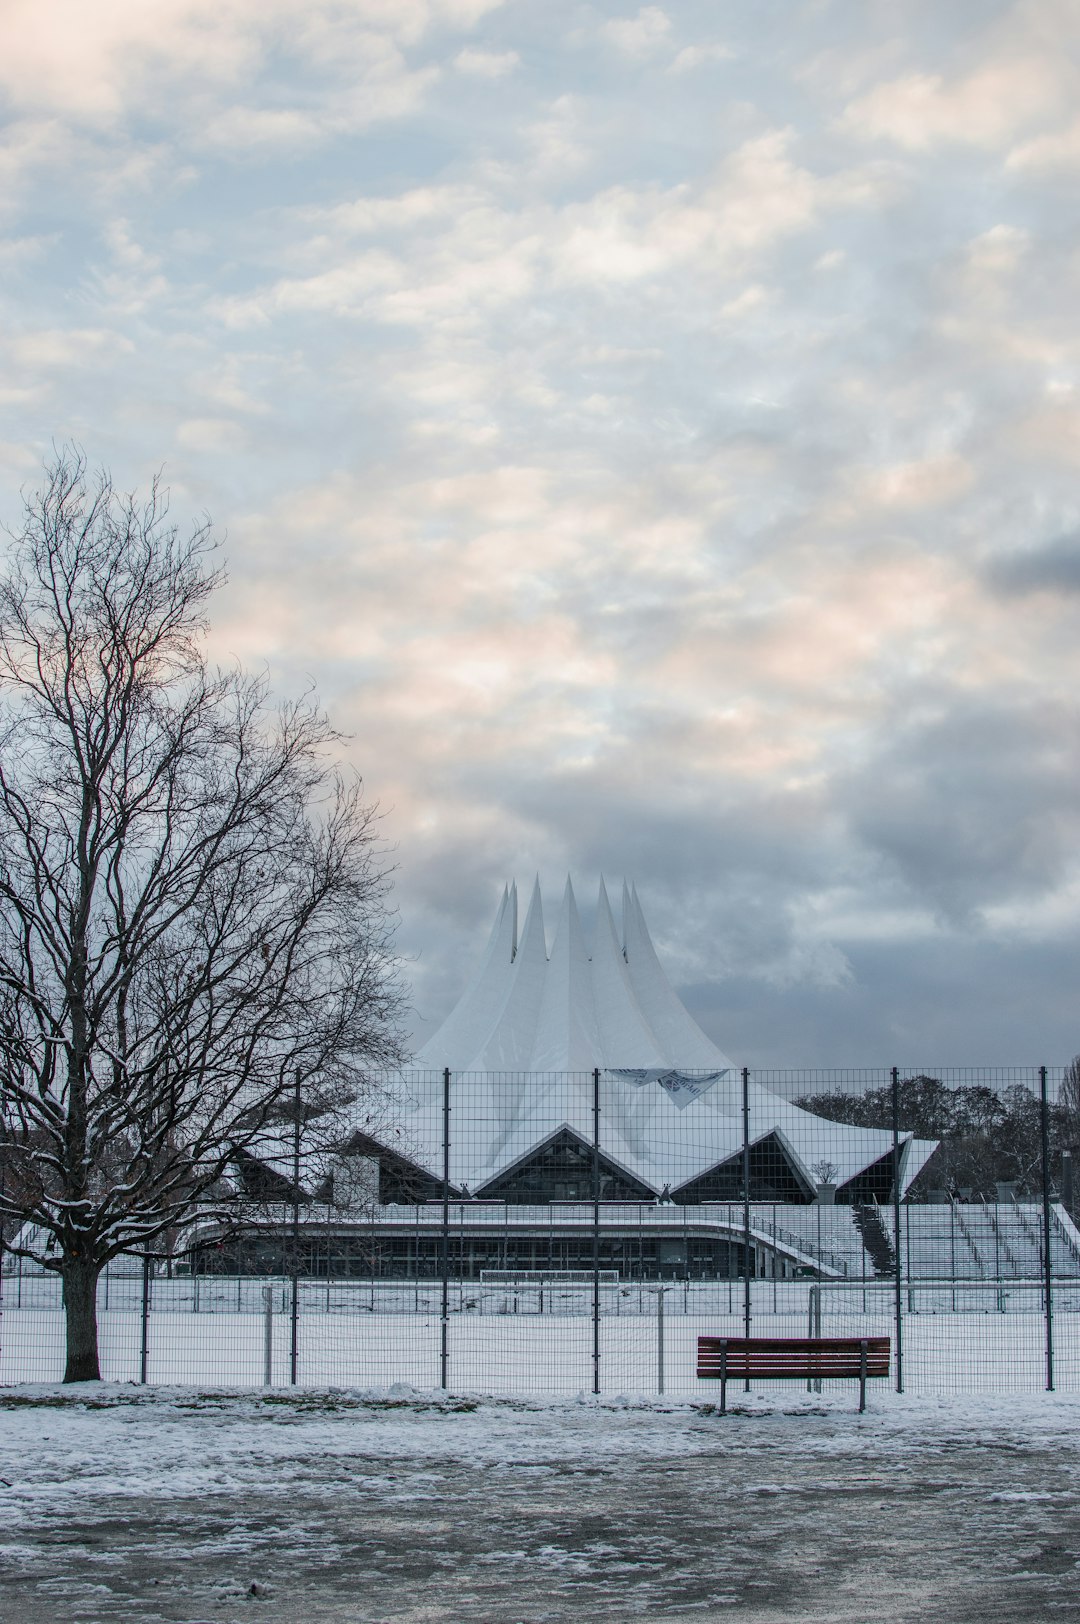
point(559, 1232)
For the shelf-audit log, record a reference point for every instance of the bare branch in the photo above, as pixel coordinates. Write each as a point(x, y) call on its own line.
point(194, 906)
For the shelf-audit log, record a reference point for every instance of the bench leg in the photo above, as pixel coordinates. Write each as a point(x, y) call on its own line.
point(723, 1378)
point(862, 1377)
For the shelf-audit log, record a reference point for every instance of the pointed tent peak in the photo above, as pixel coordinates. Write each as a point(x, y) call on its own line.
point(605, 922)
point(502, 941)
point(512, 905)
point(463, 1031)
point(566, 1037)
point(568, 933)
point(638, 936)
point(640, 927)
point(497, 926)
point(533, 941)
point(627, 910)
point(679, 1035)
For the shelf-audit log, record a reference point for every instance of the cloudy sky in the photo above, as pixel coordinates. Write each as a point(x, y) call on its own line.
point(657, 432)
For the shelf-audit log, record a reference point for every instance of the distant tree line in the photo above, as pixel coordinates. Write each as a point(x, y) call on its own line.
point(985, 1136)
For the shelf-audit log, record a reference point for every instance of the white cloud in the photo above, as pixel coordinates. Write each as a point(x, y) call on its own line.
point(88, 63)
point(101, 64)
point(248, 129)
point(216, 435)
point(750, 299)
point(639, 36)
point(456, 254)
point(486, 64)
point(696, 56)
point(556, 140)
point(985, 108)
point(640, 481)
point(29, 147)
point(1043, 154)
point(58, 348)
point(24, 250)
point(125, 250)
point(757, 196)
point(927, 483)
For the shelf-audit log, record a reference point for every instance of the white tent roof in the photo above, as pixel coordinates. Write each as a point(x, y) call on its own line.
point(646, 1129)
point(672, 1100)
point(526, 1010)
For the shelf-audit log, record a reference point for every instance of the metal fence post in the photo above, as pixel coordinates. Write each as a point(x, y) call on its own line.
point(144, 1345)
point(294, 1310)
point(660, 1340)
point(660, 1291)
point(1048, 1267)
point(596, 1233)
point(268, 1336)
point(746, 1206)
point(444, 1242)
point(898, 1300)
point(813, 1330)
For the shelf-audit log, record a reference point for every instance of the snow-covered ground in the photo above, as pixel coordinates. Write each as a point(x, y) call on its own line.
point(156, 1505)
point(367, 1494)
point(168, 1442)
point(527, 1354)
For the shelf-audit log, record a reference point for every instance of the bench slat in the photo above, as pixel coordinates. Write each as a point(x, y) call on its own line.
point(799, 1344)
point(763, 1372)
point(796, 1361)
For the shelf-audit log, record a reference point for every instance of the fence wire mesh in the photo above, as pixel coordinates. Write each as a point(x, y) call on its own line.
point(558, 1232)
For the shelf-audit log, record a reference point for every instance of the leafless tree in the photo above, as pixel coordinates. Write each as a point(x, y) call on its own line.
point(193, 901)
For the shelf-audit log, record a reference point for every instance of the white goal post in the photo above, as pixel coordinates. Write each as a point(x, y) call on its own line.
point(547, 1277)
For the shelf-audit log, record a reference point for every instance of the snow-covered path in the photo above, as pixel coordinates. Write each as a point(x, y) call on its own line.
point(170, 1506)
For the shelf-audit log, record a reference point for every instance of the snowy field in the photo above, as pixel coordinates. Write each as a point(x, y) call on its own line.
point(529, 1354)
point(158, 1506)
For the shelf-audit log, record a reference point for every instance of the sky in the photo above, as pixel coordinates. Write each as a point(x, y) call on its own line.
point(656, 432)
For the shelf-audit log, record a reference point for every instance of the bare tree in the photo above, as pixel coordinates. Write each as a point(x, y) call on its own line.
point(193, 904)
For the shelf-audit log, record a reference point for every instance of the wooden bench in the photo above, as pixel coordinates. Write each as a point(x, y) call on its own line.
point(792, 1358)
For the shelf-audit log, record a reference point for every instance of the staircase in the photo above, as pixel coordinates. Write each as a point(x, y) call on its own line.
point(875, 1238)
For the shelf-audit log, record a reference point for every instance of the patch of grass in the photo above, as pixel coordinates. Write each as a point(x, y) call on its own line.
point(328, 1402)
point(307, 1401)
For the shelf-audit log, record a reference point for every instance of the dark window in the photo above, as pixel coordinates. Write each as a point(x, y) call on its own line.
point(375, 1256)
point(401, 1181)
point(772, 1178)
point(263, 1183)
point(562, 1170)
point(874, 1183)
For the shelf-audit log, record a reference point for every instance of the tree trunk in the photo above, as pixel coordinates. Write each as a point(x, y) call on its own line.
point(80, 1308)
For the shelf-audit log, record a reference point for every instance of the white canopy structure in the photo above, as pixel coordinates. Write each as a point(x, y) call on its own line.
point(522, 1045)
point(526, 1010)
